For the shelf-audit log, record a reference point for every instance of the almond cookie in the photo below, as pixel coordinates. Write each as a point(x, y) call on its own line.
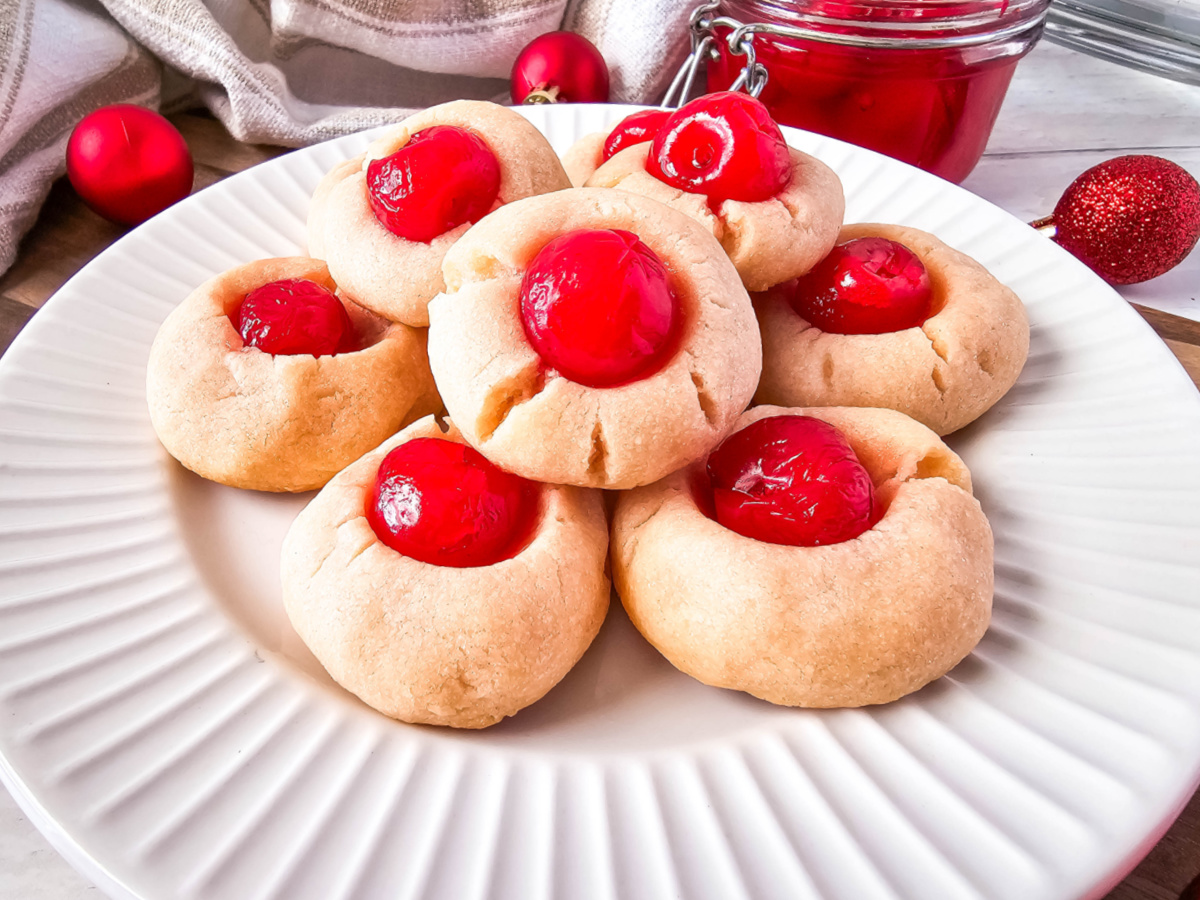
point(592, 337)
point(285, 421)
point(849, 623)
point(460, 641)
point(945, 372)
point(385, 228)
point(722, 160)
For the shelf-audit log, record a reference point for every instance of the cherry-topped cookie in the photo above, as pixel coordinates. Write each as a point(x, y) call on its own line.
point(722, 160)
point(385, 220)
point(592, 337)
point(893, 317)
point(818, 557)
point(441, 589)
point(266, 378)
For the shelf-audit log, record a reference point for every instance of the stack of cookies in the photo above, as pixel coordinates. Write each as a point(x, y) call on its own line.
point(684, 371)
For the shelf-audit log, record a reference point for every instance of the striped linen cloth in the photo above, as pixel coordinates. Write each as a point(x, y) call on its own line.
point(289, 72)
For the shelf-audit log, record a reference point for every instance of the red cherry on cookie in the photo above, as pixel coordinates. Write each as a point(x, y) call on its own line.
point(598, 306)
point(293, 317)
point(634, 129)
point(443, 503)
point(444, 176)
point(870, 285)
point(725, 146)
point(791, 480)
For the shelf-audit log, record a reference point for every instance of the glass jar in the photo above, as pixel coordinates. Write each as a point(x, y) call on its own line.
point(919, 80)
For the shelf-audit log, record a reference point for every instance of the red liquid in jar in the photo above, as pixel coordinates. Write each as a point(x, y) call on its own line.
point(933, 108)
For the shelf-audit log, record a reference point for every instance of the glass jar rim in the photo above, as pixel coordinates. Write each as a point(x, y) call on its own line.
point(891, 26)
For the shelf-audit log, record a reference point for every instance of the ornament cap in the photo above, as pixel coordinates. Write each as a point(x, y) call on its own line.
point(1045, 225)
point(541, 95)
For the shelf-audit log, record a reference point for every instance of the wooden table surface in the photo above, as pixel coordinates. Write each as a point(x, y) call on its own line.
point(68, 235)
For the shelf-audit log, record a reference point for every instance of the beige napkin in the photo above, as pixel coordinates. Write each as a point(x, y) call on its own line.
point(288, 72)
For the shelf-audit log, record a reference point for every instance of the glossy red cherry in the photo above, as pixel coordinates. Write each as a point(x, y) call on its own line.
point(636, 128)
point(559, 67)
point(725, 146)
point(870, 285)
point(444, 176)
point(598, 306)
point(442, 502)
point(293, 317)
point(791, 480)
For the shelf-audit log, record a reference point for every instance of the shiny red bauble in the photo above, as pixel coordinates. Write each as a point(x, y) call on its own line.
point(636, 128)
point(869, 285)
point(293, 317)
point(598, 306)
point(559, 67)
point(128, 163)
point(791, 480)
point(1130, 219)
point(442, 178)
point(442, 503)
point(725, 146)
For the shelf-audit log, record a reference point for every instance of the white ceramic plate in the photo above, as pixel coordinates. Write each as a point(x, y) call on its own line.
point(163, 726)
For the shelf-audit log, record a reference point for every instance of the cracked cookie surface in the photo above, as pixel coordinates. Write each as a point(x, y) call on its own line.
point(945, 374)
point(859, 622)
point(769, 241)
point(239, 416)
point(441, 645)
point(388, 274)
point(531, 420)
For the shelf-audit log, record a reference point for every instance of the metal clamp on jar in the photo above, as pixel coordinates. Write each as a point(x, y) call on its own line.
point(919, 80)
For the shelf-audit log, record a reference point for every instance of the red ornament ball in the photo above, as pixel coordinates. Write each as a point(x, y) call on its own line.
point(1131, 218)
point(559, 67)
point(128, 163)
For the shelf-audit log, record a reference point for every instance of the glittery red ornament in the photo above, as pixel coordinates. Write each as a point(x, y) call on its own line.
point(128, 163)
point(559, 67)
point(1130, 219)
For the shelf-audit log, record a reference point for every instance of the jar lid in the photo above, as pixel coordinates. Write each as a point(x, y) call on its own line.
point(910, 24)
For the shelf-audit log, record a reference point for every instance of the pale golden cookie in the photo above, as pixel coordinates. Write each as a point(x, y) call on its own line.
point(435, 644)
point(316, 207)
point(396, 277)
point(245, 418)
point(532, 421)
point(770, 241)
point(945, 374)
point(585, 156)
point(861, 622)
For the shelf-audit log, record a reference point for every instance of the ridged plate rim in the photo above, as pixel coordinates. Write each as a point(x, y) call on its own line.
point(1083, 332)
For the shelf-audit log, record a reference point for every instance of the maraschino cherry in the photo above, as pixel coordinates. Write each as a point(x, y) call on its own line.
point(636, 128)
point(444, 176)
point(791, 480)
point(725, 146)
point(869, 285)
point(598, 306)
point(293, 317)
point(442, 502)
